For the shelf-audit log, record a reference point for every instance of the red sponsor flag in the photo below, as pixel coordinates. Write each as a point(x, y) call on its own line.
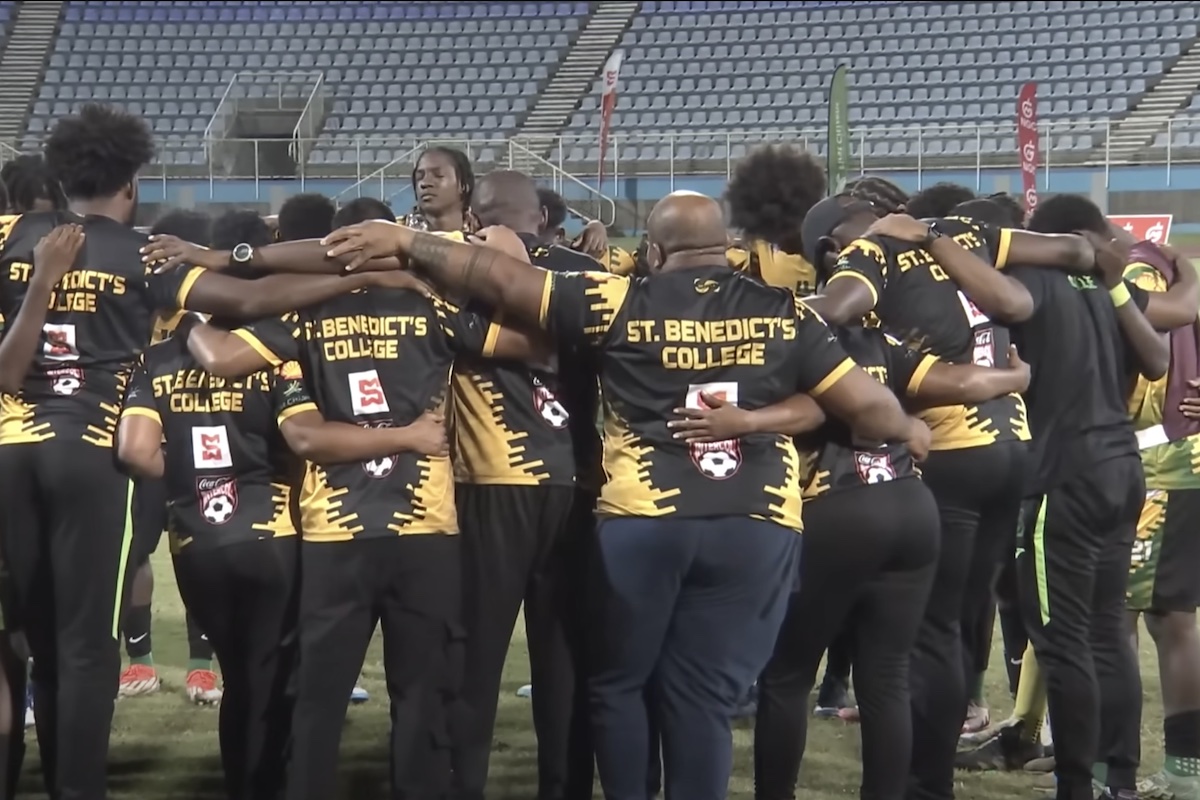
point(608, 101)
point(1144, 227)
point(1027, 143)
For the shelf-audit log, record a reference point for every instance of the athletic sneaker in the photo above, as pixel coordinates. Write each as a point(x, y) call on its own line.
point(202, 687)
point(137, 680)
point(832, 697)
point(525, 691)
point(359, 695)
point(1165, 786)
point(30, 721)
point(1006, 750)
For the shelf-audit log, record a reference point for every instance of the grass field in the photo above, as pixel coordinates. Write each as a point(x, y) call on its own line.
point(162, 747)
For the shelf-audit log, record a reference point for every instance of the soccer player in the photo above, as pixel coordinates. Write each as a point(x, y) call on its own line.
point(515, 476)
point(871, 541)
point(29, 185)
point(443, 183)
point(554, 215)
point(1166, 556)
point(360, 209)
point(303, 216)
point(933, 285)
point(232, 532)
point(697, 552)
point(149, 521)
point(937, 201)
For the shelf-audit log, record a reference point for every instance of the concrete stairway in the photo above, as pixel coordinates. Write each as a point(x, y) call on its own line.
point(578, 70)
point(1137, 130)
point(29, 41)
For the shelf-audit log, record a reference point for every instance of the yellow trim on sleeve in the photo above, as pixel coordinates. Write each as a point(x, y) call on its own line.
point(848, 273)
point(138, 411)
point(260, 348)
point(914, 383)
point(547, 290)
point(185, 288)
point(835, 375)
point(288, 413)
point(492, 336)
point(1002, 247)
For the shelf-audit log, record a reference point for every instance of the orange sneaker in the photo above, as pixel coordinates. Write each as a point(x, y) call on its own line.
point(202, 687)
point(137, 680)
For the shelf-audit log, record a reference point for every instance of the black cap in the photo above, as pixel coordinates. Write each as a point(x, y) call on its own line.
point(823, 218)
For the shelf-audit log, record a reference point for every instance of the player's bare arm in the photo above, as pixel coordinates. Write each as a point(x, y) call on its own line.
point(52, 258)
point(139, 445)
point(721, 420)
point(946, 384)
point(303, 256)
point(315, 439)
point(222, 353)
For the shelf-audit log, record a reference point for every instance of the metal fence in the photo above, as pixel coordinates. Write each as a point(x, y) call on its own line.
point(908, 147)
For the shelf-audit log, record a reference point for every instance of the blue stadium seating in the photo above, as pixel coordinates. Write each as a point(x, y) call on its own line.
point(449, 76)
point(941, 77)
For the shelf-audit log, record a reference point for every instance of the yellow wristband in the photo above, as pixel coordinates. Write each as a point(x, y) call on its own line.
point(1120, 295)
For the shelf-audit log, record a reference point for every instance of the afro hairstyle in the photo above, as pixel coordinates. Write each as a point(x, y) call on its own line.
point(306, 216)
point(27, 181)
point(938, 200)
point(240, 227)
point(771, 190)
point(879, 192)
point(983, 210)
point(361, 209)
point(556, 208)
point(97, 152)
point(1067, 213)
point(191, 226)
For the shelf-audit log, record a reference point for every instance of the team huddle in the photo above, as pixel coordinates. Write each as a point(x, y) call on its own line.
point(347, 422)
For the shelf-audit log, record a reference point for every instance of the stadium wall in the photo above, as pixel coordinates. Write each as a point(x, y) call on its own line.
point(1157, 189)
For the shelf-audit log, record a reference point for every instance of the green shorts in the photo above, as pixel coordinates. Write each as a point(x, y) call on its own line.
point(1164, 571)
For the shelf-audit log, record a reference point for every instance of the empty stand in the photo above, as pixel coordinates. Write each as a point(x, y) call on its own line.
point(397, 71)
point(938, 78)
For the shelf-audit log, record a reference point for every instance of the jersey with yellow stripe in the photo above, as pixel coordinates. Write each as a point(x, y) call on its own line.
point(98, 321)
point(375, 358)
point(1170, 465)
point(832, 462)
point(227, 467)
point(919, 304)
point(774, 267)
point(668, 341)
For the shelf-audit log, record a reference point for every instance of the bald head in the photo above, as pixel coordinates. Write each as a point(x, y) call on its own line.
point(509, 198)
point(687, 221)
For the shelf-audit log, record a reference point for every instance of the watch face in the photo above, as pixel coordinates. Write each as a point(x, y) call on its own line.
point(243, 253)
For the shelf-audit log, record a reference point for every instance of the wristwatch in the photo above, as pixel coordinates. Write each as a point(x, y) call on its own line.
point(932, 233)
point(242, 254)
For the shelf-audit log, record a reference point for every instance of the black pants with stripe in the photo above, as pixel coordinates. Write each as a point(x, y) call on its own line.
point(520, 546)
point(411, 587)
point(869, 559)
point(1073, 570)
point(978, 493)
point(65, 532)
point(244, 595)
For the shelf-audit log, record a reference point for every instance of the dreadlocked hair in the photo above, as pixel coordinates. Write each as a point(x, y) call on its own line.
point(462, 170)
point(97, 152)
point(27, 180)
point(879, 192)
point(772, 189)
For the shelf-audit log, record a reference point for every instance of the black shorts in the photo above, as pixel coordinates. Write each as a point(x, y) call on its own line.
point(1164, 573)
point(149, 518)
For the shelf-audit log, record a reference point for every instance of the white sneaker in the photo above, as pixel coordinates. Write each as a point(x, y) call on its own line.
point(525, 691)
point(359, 695)
point(202, 688)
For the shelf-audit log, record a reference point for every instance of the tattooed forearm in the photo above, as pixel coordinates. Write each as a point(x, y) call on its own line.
point(462, 268)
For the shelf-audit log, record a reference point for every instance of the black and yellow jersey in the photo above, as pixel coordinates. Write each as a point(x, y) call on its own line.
point(919, 304)
point(620, 261)
point(510, 428)
point(99, 320)
point(774, 267)
point(376, 358)
point(832, 463)
point(665, 340)
point(226, 479)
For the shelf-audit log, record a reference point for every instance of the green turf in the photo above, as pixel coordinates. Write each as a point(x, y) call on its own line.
point(164, 748)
